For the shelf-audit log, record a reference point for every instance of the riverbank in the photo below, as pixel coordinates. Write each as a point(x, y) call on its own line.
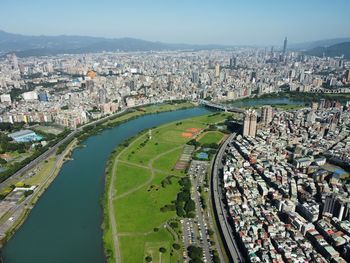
point(26, 205)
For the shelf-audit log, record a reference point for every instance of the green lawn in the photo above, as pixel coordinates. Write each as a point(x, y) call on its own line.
point(137, 210)
point(168, 161)
point(44, 169)
point(213, 118)
point(140, 211)
point(211, 137)
point(129, 176)
point(136, 248)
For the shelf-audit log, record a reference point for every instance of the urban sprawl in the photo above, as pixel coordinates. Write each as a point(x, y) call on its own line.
point(284, 175)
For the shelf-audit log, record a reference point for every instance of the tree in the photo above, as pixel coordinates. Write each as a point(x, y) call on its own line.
point(3, 161)
point(28, 193)
point(174, 224)
point(148, 259)
point(162, 250)
point(180, 211)
point(195, 253)
point(190, 206)
point(176, 246)
point(216, 258)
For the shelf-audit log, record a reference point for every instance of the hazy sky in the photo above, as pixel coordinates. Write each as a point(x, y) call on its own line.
point(256, 22)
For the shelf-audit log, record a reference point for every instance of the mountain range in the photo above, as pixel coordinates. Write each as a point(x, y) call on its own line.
point(24, 45)
point(336, 50)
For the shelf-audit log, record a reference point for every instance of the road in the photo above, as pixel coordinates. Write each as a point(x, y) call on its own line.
point(219, 207)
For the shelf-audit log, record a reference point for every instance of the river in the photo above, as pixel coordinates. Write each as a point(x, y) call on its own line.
point(64, 225)
point(266, 101)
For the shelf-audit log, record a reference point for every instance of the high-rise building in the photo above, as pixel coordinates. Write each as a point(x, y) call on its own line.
point(13, 60)
point(233, 62)
point(195, 77)
point(322, 103)
point(217, 70)
point(314, 106)
point(102, 96)
point(266, 115)
point(43, 96)
point(285, 46)
point(249, 125)
point(347, 75)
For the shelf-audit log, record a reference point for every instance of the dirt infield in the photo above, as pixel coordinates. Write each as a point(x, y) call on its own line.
point(190, 133)
point(193, 130)
point(187, 135)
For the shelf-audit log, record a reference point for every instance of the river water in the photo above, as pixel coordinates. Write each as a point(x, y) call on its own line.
point(64, 225)
point(268, 101)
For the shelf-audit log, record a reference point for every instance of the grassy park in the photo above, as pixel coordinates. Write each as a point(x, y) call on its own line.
point(138, 192)
point(211, 137)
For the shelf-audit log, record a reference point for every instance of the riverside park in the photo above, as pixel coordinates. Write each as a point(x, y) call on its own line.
point(143, 177)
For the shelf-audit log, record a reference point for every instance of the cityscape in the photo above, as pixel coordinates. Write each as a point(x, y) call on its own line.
point(119, 149)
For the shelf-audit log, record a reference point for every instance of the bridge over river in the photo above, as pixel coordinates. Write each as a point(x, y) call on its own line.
point(219, 106)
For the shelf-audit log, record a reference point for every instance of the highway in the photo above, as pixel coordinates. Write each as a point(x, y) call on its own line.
point(219, 207)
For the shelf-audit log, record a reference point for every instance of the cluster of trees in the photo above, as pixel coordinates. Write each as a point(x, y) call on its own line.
point(166, 181)
point(167, 208)
point(202, 198)
point(194, 143)
point(185, 206)
point(195, 254)
point(211, 145)
point(11, 127)
point(13, 168)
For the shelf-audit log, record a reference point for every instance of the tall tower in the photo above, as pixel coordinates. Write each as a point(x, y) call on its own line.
point(249, 123)
point(285, 46)
point(217, 70)
point(266, 115)
point(347, 75)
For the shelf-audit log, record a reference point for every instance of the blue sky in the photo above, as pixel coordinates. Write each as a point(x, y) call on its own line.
point(256, 22)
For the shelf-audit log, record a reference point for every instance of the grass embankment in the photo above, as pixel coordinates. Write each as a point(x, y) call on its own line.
point(141, 165)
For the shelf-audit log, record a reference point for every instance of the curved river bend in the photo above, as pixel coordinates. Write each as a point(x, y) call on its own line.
point(64, 226)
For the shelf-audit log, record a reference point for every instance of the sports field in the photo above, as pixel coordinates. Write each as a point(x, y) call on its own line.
point(137, 192)
point(210, 137)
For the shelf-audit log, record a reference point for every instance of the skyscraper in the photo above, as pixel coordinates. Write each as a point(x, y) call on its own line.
point(217, 70)
point(266, 115)
point(347, 75)
point(249, 125)
point(285, 46)
point(233, 62)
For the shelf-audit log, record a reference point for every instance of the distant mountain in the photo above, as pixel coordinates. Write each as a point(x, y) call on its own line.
point(25, 46)
point(336, 50)
point(319, 43)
